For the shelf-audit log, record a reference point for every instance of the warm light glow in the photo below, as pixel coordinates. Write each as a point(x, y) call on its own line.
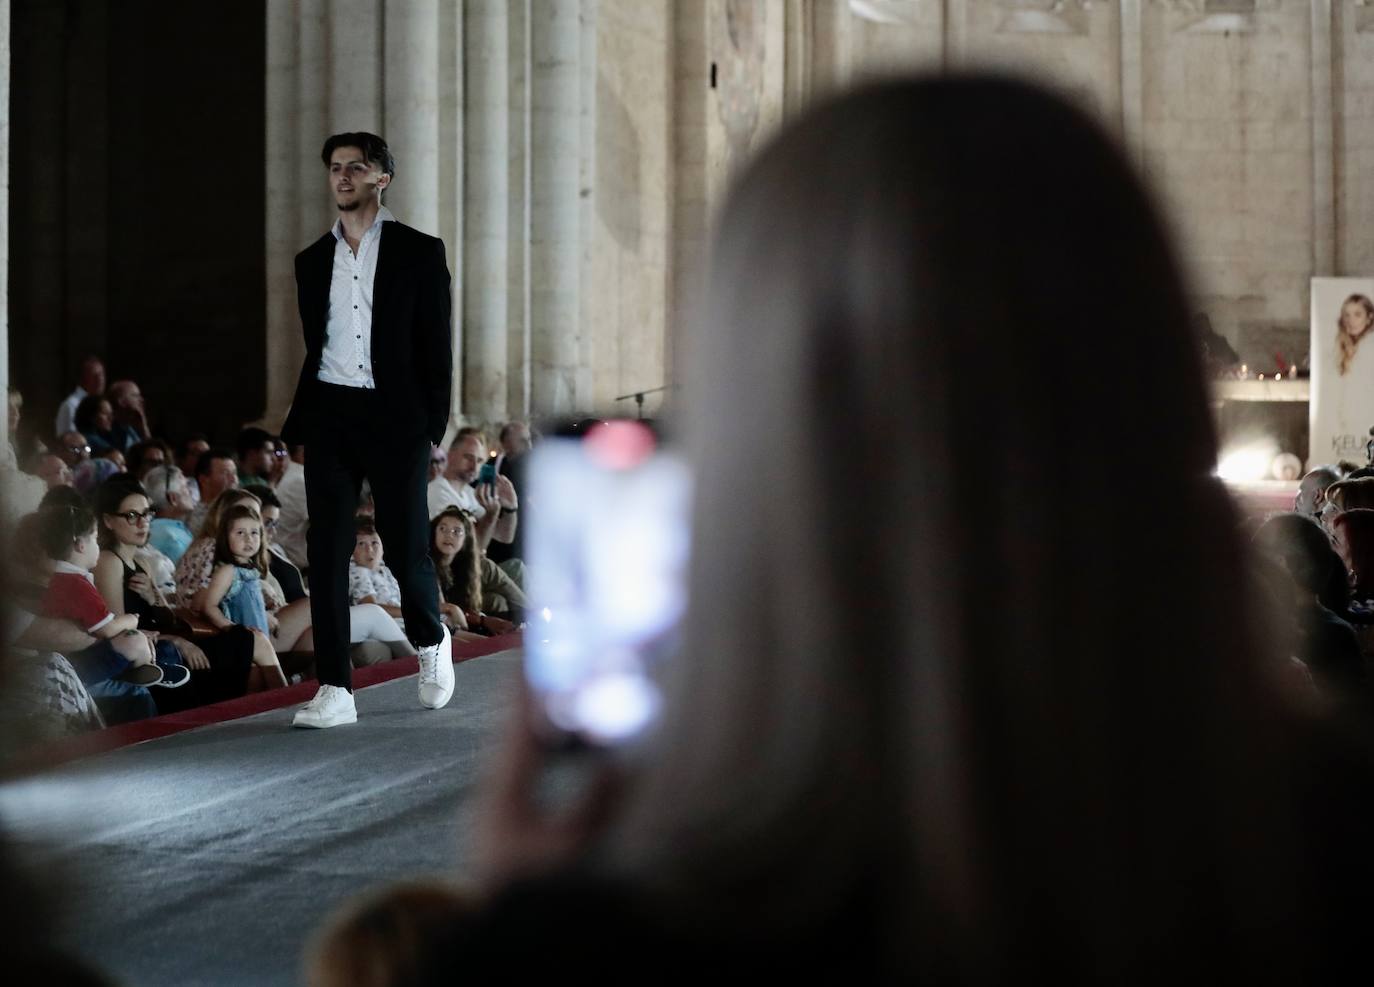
point(1251, 461)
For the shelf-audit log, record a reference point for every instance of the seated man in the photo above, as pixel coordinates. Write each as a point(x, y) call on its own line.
point(188, 455)
point(169, 533)
point(53, 470)
point(92, 381)
point(1311, 496)
point(295, 519)
point(493, 506)
point(126, 399)
point(143, 456)
point(257, 457)
point(216, 472)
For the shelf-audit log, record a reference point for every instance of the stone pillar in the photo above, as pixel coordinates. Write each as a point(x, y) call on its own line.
point(336, 65)
point(1323, 144)
point(555, 245)
point(1132, 82)
point(485, 204)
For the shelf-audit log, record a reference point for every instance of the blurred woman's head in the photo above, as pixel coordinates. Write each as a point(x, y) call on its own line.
point(998, 660)
point(1301, 546)
point(94, 415)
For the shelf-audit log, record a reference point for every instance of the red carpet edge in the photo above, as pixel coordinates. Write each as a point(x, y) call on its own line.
point(125, 734)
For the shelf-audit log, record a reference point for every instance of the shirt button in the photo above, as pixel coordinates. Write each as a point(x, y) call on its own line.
point(359, 336)
point(355, 306)
point(355, 277)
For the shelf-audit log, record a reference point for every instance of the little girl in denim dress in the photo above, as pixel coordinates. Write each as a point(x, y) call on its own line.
point(235, 592)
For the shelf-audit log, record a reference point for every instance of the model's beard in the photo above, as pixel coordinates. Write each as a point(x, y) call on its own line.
point(349, 206)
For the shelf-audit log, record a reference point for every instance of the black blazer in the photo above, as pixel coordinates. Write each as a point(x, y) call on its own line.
point(412, 349)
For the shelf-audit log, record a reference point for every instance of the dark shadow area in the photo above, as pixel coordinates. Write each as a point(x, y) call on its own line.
point(136, 211)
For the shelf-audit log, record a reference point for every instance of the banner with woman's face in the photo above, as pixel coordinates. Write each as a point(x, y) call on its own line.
point(1342, 388)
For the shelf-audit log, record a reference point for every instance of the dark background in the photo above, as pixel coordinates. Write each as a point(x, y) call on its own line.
point(137, 193)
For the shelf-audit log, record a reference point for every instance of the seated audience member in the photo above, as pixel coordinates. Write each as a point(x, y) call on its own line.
point(393, 938)
point(256, 457)
point(281, 458)
point(215, 473)
point(515, 447)
point(73, 448)
point(167, 491)
point(438, 462)
point(95, 420)
point(197, 563)
point(25, 448)
point(492, 506)
point(234, 596)
point(369, 580)
point(188, 456)
point(53, 470)
point(1352, 537)
point(69, 538)
point(970, 774)
point(1326, 643)
point(144, 456)
point(295, 519)
point(281, 570)
point(92, 382)
point(470, 584)
point(126, 397)
point(89, 475)
point(43, 698)
point(1350, 495)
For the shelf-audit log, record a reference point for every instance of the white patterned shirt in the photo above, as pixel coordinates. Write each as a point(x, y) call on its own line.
point(377, 583)
point(347, 356)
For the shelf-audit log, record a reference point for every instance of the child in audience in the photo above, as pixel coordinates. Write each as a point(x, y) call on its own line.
point(235, 592)
point(369, 580)
point(469, 582)
point(69, 539)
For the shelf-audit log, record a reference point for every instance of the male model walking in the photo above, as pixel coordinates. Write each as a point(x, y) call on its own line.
point(373, 395)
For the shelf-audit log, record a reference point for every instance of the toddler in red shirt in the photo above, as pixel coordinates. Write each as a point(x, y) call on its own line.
point(68, 534)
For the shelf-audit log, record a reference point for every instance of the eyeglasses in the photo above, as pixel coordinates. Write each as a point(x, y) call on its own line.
point(438, 462)
point(133, 517)
point(78, 449)
point(269, 525)
point(279, 453)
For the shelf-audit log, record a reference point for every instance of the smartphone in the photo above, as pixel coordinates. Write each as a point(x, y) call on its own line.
point(606, 553)
point(489, 471)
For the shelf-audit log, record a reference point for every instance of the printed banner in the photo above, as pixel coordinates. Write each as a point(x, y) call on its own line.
point(1341, 412)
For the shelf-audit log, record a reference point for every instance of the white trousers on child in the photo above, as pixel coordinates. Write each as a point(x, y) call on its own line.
point(369, 622)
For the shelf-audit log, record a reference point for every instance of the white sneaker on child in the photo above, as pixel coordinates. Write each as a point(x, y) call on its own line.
point(436, 672)
point(332, 706)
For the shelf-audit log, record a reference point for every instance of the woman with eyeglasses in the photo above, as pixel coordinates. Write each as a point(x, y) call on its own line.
point(220, 662)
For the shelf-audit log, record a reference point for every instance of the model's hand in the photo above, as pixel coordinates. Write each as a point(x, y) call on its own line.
point(505, 493)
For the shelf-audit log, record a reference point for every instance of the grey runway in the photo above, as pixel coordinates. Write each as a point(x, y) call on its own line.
point(210, 856)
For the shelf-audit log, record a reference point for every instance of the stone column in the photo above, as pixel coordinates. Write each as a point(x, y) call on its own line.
point(555, 206)
point(1132, 82)
point(485, 203)
point(1323, 144)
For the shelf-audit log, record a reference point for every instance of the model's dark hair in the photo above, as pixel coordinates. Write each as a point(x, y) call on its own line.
point(372, 146)
point(59, 525)
point(84, 418)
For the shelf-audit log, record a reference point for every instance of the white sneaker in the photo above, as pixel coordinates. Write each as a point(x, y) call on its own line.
point(332, 706)
point(436, 673)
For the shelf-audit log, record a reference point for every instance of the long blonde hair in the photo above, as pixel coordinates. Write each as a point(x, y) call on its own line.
point(1345, 342)
point(209, 528)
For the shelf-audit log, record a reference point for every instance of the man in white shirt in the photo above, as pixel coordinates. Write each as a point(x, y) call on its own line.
point(373, 394)
point(92, 382)
point(493, 506)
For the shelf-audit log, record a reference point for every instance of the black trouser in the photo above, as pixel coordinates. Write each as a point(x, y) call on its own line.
point(353, 440)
